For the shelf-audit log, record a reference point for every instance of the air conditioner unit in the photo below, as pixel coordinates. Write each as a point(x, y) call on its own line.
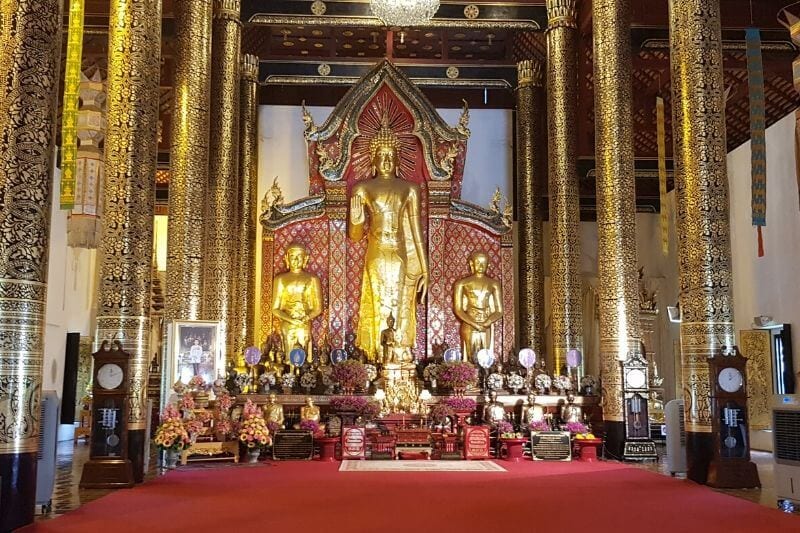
point(786, 441)
point(46, 456)
point(676, 437)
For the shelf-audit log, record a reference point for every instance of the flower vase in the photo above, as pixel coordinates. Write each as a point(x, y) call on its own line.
point(172, 457)
point(348, 391)
point(252, 455)
point(459, 392)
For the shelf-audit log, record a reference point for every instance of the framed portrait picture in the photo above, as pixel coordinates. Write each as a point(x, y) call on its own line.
point(194, 348)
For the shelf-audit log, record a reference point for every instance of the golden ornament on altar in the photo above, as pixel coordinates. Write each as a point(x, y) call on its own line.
point(395, 267)
point(478, 304)
point(273, 411)
point(297, 300)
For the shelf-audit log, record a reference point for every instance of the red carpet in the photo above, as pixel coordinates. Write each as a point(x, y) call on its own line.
point(312, 496)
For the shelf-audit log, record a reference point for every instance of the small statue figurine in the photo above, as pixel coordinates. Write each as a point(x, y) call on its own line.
point(273, 411)
point(532, 412)
point(297, 300)
point(388, 341)
point(494, 411)
point(310, 412)
point(478, 304)
point(571, 412)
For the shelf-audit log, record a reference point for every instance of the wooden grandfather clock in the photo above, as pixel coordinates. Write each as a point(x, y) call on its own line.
point(730, 466)
point(638, 445)
point(109, 465)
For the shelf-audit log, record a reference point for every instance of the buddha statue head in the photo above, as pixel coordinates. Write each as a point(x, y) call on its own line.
point(531, 399)
point(272, 398)
point(309, 401)
point(570, 397)
point(384, 150)
point(390, 321)
point(296, 258)
point(493, 396)
point(478, 263)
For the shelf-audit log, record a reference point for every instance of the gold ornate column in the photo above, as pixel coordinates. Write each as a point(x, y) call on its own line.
point(30, 53)
point(220, 233)
point(245, 304)
point(126, 248)
point(616, 207)
point(562, 120)
point(189, 159)
point(531, 174)
point(702, 205)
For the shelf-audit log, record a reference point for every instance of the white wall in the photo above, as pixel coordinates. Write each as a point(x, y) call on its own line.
point(767, 285)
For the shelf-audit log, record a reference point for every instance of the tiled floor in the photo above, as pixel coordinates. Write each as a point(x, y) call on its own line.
point(67, 496)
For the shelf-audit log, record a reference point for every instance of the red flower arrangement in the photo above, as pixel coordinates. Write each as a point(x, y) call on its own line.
point(460, 404)
point(355, 404)
point(458, 374)
point(310, 425)
point(440, 411)
point(350, 374)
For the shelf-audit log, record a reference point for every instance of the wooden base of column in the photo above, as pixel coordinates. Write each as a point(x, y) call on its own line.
point(615, 439)
point(17, 490)
point(136, 453)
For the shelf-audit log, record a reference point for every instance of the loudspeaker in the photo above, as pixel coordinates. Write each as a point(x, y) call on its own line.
point(71, 358)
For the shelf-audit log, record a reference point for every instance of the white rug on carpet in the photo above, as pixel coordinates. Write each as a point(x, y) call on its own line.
point(420, 466)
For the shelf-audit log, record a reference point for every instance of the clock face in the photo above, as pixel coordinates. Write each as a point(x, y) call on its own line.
point(730, 379)
point(636, 379)
point(109, 376)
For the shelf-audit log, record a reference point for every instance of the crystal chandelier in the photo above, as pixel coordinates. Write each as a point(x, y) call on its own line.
point(405, 12)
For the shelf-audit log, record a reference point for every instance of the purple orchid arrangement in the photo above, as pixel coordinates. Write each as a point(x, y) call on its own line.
point(576, 427)
point(457, 374)
point(460, 404)
point(350, 373)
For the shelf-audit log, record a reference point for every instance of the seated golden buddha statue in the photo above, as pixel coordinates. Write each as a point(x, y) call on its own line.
point(297, 300)
point(311, 412)
point(478, 304)
point(571, 412)
point(395, 265)
point(532, 412)
point(494, 411)
point(273, 411)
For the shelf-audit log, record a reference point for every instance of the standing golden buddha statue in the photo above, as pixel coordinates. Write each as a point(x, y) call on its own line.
point(297, 300)
point(395, 266)
point(478, 304)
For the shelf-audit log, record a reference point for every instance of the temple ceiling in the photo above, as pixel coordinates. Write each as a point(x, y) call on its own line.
point(301, 51)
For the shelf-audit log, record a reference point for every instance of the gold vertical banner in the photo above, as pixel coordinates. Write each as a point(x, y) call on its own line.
point(662, 174)
point(69, 119)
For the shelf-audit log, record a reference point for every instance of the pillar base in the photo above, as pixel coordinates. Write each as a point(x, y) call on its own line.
point(18, 496)
point(136, 453)
point(614, 439)
point(699, 451)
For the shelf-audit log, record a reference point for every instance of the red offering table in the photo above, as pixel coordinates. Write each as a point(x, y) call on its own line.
point(511, 449)
point(587, 448)
point(327, 448)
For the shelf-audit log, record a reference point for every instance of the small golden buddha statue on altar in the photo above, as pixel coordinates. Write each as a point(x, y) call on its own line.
point(311, 412)
point(494, 411)
point(571, 412)
point(297, 300)
point(478, 304)
point(532, 412)
point(389, 342)
point(273, 411)
point(395, 266)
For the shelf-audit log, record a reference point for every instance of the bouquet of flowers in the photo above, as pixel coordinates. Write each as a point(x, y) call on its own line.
point(308, 380)
point(223, 428)
point(310, 425)
point(562, 383)
point(576, 428)
point(224, 403)
point(355, 404)
point(288, 381)
point(350, 374)
point(242, 381)
point(372, 371)
point(267, 379)
point(187, 402)
point(588, 381)
point(253, 430)
point(194, 427)
point(431, 372)
point(539, 425)
point(515, 381)
point(506, 429)
point(460, 404)
point(219, 387)
point(457, 374)
point(197, 383)
point(172, 434)
point(440, 411)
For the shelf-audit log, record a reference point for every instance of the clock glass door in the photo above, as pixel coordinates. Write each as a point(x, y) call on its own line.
point(733, 431)
point(106, 439)
point(637, 426)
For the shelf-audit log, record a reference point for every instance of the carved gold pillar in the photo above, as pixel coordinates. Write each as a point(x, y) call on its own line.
point(531, 174)
point(702, 205)
point(562, 120)
point(245, 305)
point(126, 247)
point(616, 207)
point(30, 53)
point(220, 233)
point(189, 159)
